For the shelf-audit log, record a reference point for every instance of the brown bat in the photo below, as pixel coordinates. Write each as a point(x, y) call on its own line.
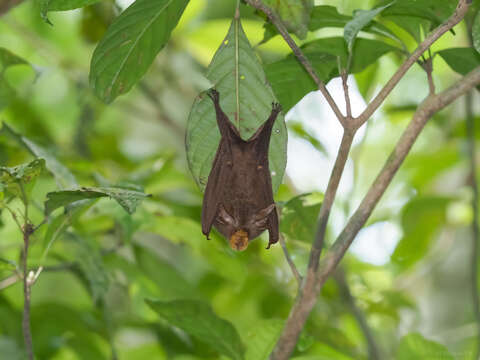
point(238, 198)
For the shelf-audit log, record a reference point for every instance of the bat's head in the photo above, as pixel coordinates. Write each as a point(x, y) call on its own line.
point(240, 232)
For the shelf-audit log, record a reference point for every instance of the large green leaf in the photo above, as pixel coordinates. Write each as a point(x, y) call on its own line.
point(476, 32)
point(128, 199)
point(255, 99)
point(416, 347)
point(291, 82)
point(130, 45)
point(461, 60)
point(328, 16)
point(262, 337)
point(61, 5)
point(361, 18)
point(63, 176)
point(294, 13)
point(198, 320)
point(299, 216)
point(422, 218)
point(412, 15)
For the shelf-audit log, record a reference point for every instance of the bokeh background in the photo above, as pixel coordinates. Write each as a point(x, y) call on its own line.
point(408, 272)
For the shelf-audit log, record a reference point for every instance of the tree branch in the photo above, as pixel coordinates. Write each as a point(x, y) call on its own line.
point(470, 122)
point(6, 5)
point(305, 301)
point(457, 16)
point(307, 295)
point(275, 20)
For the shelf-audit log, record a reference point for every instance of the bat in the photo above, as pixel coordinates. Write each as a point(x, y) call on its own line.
point(238, 199)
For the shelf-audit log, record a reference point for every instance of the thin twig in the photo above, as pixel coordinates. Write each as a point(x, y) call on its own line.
point(290, 262)
point(373, 349)
point(475, 226)
point(307, 296)
point(346, 93)
point(428, 67)
point(275, 20)
point(457, 16)
point(27, 291)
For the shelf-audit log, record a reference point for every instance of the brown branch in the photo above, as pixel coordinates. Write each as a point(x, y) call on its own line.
point(27, 290)
point(470, 122)
point(290, 262)
point(6, 5)
point(275, 20)
point(305, 301)
point(457, 16)
point(307, 296)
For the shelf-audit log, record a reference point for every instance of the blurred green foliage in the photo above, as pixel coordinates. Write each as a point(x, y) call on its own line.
point(100, 263)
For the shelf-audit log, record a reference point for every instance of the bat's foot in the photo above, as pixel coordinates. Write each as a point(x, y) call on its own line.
point(214, 95)
point(276, 107)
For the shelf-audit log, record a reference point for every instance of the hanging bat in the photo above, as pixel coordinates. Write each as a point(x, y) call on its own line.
point(238, 198)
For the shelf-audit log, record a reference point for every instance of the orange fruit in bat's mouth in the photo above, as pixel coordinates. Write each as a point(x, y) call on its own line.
point(239, 240)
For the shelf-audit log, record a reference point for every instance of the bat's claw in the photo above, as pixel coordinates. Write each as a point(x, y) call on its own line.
point(213, 94)
point(276, 107)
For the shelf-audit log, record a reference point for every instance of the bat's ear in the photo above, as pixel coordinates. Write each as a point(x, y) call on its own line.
point(262, 214)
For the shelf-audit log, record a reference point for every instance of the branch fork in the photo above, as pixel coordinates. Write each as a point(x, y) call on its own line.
point(317, 272)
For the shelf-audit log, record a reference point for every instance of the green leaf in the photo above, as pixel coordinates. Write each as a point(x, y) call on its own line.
point(433, 10)
point(416, 347)
point(294, 13)
point(255, 103)
point(298, 129)
point(63, 176)
point(8, 59)
point(324, 16)
point(87, 256)
point(61, 223)
point(197, 319)
point(476, 32)
point(461, 60)
point(61, 5)
point(361, 19)
point(16, 178)
point(131, 44)
point(422, 218)
point(291, 82)
point(299, 216)
point(262, 337)
point(128, 199)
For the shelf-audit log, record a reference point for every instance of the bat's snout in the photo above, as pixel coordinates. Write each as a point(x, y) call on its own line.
point(239, 240)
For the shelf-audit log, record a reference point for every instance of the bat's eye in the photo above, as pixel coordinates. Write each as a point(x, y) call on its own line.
point(239, 240)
